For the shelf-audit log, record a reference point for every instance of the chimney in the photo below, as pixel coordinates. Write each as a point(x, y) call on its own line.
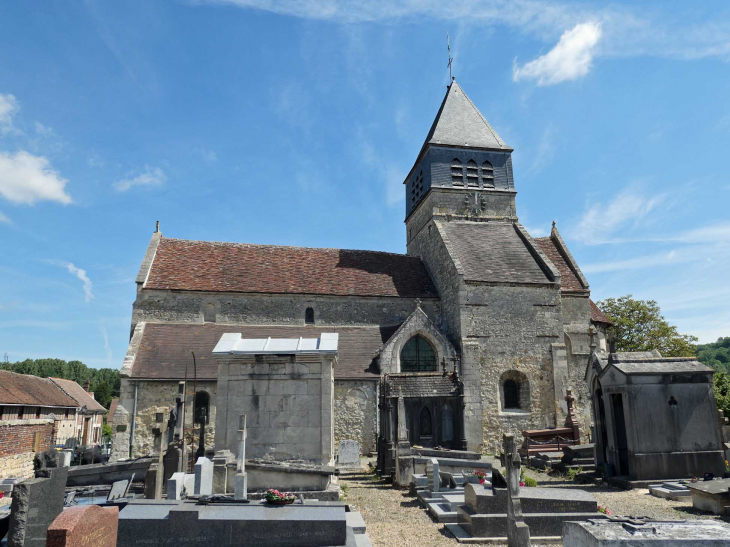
point(86, 385)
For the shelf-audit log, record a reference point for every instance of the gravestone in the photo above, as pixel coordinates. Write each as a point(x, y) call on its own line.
point(89, 526)
point(348, 453)
point(518, 533)
point(203, 477)
point(37, 502)
point(118, 490)
point(403, 455)
point(178, 484)
point(432, 471)
point(314, 524)
point(630, 532)
point(711, 496)
point(241, 486)
point(221, 459)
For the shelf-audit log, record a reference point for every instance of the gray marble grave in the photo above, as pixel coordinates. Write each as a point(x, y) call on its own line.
point(36, 503)
point(118, 490)
point(625, 532)
point(315, 524)
point(713, 496)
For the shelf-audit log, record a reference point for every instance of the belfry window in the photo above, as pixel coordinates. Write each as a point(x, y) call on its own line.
point(457, 172)
point(418, 356)
point(309, 316)
point(472, 174)
point(487, 175)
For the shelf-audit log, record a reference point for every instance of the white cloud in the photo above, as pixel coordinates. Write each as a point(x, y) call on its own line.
point(81, 274)
point(4, 218)
point(570, 59)
point(25, 178)
point(150, 177)
point(107, 349)
point(208, 155)
point(8, 107)
point(627, 209)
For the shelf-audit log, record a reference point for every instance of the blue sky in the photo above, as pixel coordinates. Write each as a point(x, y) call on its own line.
point(294, 122)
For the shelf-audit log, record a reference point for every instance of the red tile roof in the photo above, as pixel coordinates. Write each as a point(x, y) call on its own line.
point(597, 315)
point(236, 267)
point(569, 281)
point(77, 393)
point(24, 389)
point(165, 348)
point(112, 409)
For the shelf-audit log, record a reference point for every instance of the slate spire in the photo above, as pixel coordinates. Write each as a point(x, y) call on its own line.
point(459, 123)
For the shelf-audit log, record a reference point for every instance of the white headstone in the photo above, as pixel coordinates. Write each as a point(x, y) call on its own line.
point(348, 453)
point(203, 477)
point(432, 470)
point(241, 487)
point(175, 485)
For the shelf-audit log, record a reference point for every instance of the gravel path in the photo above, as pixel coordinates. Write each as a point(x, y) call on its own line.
point(394, 517)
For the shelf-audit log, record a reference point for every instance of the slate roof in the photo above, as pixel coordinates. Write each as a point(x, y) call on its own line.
point(430, 384)
point(658, 365)
point(24, 389)
point(237, 267)
point(492, 251)
point(568, 278)
point(77, 393)
point(597, 315)
point(459, 123)
point(164, 350)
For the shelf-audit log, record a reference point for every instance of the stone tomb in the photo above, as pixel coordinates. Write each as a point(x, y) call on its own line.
point(203, 485)
point(623, 532)
point(89, 526)
point(36, 504)
point(312, 524)
point(713, 496)
point(675, 491)
point(484, 513)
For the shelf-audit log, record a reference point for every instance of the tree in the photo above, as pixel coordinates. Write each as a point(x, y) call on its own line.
point(722, 392)
point(103, 394)
point(716, 354)
point(639, 326)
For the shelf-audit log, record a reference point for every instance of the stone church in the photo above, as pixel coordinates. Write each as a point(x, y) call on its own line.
point(480, 327)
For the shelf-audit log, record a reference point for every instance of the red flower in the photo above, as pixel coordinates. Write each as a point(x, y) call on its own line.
point(2, 494)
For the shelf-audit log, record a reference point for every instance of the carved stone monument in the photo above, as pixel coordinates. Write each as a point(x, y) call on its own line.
point(404, 458)
point(241, 487)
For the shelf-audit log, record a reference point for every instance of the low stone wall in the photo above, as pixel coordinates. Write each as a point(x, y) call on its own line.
point(356, 408)
point(17, 445)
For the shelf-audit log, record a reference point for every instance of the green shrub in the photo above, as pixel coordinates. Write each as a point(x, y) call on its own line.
point(573, 472)
point(529, 481)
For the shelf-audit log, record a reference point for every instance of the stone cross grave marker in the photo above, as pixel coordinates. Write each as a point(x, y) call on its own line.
point(36, 503)
point(518, 533)
point(118, 490)
point(348, 453)
point(203, 477)
point(241, 486)
point(89, 526)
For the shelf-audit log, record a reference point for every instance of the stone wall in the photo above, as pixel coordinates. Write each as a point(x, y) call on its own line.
point(356, 406)
point(17, 445)
point(273, 309)
point(153, 398)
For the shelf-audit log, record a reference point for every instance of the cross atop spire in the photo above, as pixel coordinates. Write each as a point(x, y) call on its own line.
point(448, 47)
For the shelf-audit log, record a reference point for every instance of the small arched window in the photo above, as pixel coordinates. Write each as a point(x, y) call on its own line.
point(309, 316)
point(472, 174)
point(488, 175)
point(511, 394)
point(418, 356)
point(457, 172)
point(202, 407)
point(424, 422)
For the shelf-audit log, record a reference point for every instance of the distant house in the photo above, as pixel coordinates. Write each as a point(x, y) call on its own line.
point(34, 415)
point(90, 415)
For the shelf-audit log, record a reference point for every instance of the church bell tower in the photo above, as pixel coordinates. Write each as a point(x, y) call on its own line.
point(463, 171)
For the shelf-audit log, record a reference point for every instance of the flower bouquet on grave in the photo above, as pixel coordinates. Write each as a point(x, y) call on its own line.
point(604, 511)
point(274, 497)
point(481, 475)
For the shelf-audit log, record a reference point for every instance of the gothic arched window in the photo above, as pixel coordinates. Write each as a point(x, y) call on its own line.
point(457, 172)
point(488, 174)
point(418, 356)
point(309, 316)
point(472, 174)
point(424, 422)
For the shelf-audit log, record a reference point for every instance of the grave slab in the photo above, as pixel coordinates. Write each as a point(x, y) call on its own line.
point(90, 526)
point(118, 490)
point(631, 533)
point(348, 453)
point(713, 496)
